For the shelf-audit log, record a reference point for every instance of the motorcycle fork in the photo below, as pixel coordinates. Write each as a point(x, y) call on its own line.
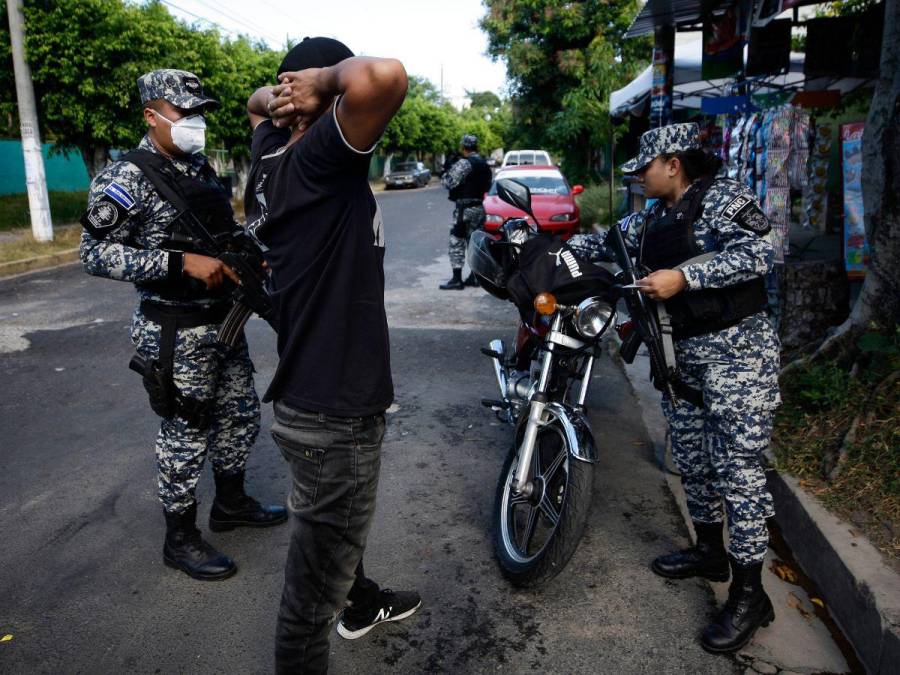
point(520, 484)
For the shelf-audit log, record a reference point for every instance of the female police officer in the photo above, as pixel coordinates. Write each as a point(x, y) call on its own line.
point(703, 241)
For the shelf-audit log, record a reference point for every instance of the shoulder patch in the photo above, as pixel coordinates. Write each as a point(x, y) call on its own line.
point(118, 193)
point(744, 211)
point(103, 216)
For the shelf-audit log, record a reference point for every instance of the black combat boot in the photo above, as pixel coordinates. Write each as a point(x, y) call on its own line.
point(455, 283)
point(233, 508)
point(471, 280)
point(706, 559)
point(186, 550)
point(747, 608)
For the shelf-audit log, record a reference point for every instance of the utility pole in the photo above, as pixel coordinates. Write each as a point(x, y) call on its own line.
point(442, 83)
point(35, 180)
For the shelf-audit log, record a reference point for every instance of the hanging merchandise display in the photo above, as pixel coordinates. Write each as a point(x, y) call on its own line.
point(799, 148)
point(723, 46)
point(778, 189)
point(769, 51)
point(748, 154)
point(845, 46)
point(856, 248)
point(815, 191)
point(734, 149)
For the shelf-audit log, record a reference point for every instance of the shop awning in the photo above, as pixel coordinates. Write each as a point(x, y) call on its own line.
point(674, 12)
point(690, 89)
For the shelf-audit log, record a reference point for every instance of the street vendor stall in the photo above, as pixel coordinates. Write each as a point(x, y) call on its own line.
point(769, 113)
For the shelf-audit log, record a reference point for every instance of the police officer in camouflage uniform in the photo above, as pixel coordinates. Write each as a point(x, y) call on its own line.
point(203, 390)
point(467, 180)
point(704, 243)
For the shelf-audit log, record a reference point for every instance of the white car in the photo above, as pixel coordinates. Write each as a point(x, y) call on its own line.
point(526, 158)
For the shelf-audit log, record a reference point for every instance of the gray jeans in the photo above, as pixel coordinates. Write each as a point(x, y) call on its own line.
point(335, 463)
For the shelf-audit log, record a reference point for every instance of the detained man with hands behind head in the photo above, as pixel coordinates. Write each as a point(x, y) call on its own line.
point(310, 206)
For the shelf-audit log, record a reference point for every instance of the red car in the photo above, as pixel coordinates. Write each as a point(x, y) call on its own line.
point(552, 200)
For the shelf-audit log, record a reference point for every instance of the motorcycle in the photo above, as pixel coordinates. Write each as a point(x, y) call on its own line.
point(566, 305)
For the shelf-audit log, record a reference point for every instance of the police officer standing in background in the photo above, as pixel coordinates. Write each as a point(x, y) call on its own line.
point(704, 242)
point(202, 390)
point(467, 180)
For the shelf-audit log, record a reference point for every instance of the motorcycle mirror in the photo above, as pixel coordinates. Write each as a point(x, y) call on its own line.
point(515, 194)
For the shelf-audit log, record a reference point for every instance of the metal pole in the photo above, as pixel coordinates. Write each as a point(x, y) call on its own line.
point(35, 180)
point(663, 73)
point(612, 172)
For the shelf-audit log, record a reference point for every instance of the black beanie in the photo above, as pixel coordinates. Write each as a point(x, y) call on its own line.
point(316, 52)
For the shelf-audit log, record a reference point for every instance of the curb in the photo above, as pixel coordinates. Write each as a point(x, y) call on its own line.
point(40, 262)
point(863, 593)
point(796, 643)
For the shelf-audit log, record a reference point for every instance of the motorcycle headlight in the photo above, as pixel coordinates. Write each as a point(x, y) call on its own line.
point(592, 317)
point(494, 218)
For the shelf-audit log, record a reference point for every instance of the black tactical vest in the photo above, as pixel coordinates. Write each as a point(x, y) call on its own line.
point(667, 242)
point(476, 183)
point(205, 198)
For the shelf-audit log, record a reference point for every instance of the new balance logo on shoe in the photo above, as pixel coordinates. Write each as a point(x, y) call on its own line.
point(356, 622)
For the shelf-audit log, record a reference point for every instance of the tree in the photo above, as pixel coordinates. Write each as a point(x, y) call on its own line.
point(484, 99)
point(86, 56)
point(878, 305)
point(563, 59)
point(243, 68)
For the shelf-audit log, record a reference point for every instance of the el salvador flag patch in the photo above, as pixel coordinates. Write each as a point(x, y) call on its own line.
point(119, 195)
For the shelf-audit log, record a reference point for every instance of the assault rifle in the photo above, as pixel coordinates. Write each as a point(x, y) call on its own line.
point(242, 254)
point(235, 248)
point(652, 327)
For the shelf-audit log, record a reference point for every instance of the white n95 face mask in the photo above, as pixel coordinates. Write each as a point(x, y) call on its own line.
point(188, 133)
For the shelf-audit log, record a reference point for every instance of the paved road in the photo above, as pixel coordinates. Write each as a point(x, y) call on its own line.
point(82, 585)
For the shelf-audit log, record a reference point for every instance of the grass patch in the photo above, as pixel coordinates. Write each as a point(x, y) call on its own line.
point(594, 205)
point(25, 246)
point(838, 432)
point(65, 207)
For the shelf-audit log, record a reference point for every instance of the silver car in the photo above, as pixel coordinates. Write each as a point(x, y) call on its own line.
point(407, 174)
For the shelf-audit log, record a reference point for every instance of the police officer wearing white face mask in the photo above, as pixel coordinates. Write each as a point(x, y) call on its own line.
point(202, 389)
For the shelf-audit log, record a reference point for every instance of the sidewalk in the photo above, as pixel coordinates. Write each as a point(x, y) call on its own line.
point(19, 253)
point(798, 641)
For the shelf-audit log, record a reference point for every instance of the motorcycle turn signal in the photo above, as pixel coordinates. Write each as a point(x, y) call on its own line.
point(545, 303)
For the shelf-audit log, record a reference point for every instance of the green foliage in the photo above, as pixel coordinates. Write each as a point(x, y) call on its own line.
point(484, 99)
point(594, 205)
point(838, 430)
point(65, 207)
point(564, 58)
point(86, 56)
point(426, 124)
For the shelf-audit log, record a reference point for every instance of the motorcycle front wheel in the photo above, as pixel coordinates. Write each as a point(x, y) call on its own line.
point(535, 536)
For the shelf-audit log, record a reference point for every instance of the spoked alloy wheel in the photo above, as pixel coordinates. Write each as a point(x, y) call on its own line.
point(536, 535)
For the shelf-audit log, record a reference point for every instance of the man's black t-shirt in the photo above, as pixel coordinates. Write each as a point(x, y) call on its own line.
point(311, 205)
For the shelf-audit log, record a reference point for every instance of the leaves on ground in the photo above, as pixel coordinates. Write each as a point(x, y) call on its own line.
point(784, 572)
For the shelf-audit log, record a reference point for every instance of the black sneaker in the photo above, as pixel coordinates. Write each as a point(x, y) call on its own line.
point(392, 606)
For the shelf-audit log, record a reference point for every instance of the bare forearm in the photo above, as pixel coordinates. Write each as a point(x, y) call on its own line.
point(372, 91)
point(257, 104)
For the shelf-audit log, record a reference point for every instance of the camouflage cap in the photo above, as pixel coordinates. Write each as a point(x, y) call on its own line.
point(469, 142)
point(656, 142)
point(179, 87)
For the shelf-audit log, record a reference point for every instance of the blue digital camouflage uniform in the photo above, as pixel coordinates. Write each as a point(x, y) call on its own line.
point(717, 448)
point(203, 369)
point(472, 216)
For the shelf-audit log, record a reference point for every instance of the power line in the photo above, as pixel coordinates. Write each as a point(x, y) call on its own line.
point(201, 18)
point(240, 20)
point(215, 24)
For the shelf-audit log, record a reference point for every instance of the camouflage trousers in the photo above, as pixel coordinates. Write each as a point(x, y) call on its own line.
point(472, 219)
point(210, 374)
point(718, 448)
